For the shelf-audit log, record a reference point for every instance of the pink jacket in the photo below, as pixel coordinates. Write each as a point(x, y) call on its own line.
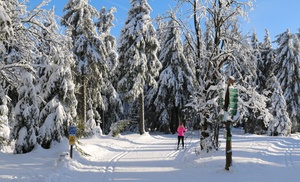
point(181, 130)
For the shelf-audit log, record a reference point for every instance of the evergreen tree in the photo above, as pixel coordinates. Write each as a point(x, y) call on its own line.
point(267, 63)
point(280, 124)
point(19, 50)
point(266, 66)
point(188, 51)
point(287, 73)
point(256, 53)
point(4, 126)
point(104, 25)
point(90, 57)
point(176, 81)
point(30, 43)
point(161, 30)
point(5, 34)
point(137, 55)
point(27, 113)
point(113, 109)
point(55, 88)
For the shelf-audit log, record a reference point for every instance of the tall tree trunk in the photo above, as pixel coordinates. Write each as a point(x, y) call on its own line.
point(228, 128)
point(83, 110)
point(175, 119)
point(197, 30)
point(142, 114)
point(198, 40)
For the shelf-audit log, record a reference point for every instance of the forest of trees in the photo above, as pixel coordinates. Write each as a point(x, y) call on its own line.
point(66, 71)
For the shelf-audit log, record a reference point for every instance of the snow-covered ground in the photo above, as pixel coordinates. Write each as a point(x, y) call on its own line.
point(153, 158)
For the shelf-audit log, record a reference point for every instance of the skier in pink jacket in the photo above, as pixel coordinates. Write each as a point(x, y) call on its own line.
point(180, 130)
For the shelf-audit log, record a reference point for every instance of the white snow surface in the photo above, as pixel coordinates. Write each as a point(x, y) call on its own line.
point(152, 157)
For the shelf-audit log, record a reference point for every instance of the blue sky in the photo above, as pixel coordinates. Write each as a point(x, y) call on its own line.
point(275, 15)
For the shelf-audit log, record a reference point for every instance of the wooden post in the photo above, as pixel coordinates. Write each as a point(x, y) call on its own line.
point(72, 138)
point(71, 151)
point(228, 146)
point(228, 128)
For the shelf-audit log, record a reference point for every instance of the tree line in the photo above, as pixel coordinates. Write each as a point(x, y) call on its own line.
point(66, 71)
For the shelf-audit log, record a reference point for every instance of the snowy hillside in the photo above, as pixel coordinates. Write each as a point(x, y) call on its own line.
point(153, 158)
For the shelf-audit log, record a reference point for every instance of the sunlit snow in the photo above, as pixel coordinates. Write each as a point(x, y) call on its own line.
point(152, 157)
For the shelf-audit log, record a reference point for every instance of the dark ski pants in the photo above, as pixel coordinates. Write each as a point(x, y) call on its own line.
point(182, 141)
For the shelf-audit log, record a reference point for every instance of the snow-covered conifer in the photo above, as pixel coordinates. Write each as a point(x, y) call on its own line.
point(56, 89)
point(112, 109)
point(91, 66)
point(4, 126)
point(287, 73)
point(280, 124)
point(189, 53)
point(176, 81)
point(266, 65)
point(27, 113)
point(5, 33)
point(256, 53)
point(90, 124)
point(104, 25)
point(18, 54)
point(138, 46)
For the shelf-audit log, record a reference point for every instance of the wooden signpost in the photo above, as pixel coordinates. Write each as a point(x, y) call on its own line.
point(72, 138)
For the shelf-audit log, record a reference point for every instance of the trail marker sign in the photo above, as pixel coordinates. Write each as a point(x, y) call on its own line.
point(233, 101)
point(72, 130)
point(72, 138)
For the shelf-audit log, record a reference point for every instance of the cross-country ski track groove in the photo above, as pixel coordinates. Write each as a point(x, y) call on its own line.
point(161, 150)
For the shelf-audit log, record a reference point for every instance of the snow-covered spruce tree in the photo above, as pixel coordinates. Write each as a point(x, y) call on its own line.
point(256, 53)
point(57, 101)
point(27, 113)
point(280, 124)
point(24, 46)
point(176, 81)
point(266, 66)
point(297, 82)
point(18, 53)
point(4, 126)
point(287, 73)
point(6, 32)
point(188, 51)
point(267, 62)
point(151, 118)
point(91, 125)
point(137, 49)
point(191, 58)
point(113, 109)
point(161, 29)
point(90, 57)
point(104, 25)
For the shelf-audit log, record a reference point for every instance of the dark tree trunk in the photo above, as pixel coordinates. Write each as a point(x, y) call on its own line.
point(142, 114)
point(175, 119)
point(83, 100)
